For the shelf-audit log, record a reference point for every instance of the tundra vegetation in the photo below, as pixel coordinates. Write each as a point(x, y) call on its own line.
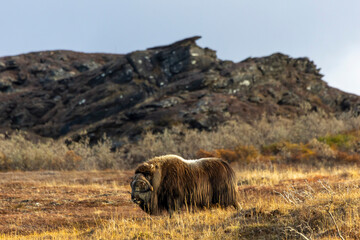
point(297, 179)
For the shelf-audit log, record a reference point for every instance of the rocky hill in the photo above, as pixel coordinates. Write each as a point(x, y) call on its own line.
point(64, 93)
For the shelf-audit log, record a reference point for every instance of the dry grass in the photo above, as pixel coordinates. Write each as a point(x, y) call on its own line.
point(278, 202)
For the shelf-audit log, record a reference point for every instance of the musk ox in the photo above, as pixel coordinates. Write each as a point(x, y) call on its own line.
point(170, 182)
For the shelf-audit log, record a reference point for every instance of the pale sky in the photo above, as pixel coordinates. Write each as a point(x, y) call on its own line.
point(326, 31)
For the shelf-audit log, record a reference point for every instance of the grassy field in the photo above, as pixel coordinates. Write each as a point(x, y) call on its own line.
point(278, 202)
point(296, 180)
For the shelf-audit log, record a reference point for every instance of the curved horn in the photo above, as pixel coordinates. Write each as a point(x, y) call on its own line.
point(149, 185)
point(144, 180)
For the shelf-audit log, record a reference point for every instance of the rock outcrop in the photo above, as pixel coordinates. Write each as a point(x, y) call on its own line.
point(63, 93)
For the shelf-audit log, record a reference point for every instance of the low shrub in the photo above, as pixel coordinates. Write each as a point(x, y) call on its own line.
point(274, 138)
point(347, 157)
point(340, 141)
point(264, 135)
point(240, 154)
point(17, 152)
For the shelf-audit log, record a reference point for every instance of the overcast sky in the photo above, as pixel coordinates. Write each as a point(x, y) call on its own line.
point(326, 31)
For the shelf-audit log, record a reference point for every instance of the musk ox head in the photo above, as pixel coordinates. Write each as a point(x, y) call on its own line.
point(141, 190)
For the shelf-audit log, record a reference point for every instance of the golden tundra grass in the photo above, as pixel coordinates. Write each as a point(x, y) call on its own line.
point(278, 202)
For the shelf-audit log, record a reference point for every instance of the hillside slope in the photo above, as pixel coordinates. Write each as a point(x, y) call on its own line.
point(63, 93)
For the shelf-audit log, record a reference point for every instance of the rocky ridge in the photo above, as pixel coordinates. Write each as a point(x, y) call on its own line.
point(68, 94)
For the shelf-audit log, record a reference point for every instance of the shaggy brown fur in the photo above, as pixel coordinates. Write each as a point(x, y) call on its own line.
point(177, 182)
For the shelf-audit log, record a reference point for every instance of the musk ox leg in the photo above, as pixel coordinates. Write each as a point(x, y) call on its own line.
point(173, 205)
point(154, 207)
point(155, 182)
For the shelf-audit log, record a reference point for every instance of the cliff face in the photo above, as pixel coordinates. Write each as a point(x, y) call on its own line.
point(63, 93)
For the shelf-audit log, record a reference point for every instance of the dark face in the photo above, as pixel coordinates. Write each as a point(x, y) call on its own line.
point(141, 190)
